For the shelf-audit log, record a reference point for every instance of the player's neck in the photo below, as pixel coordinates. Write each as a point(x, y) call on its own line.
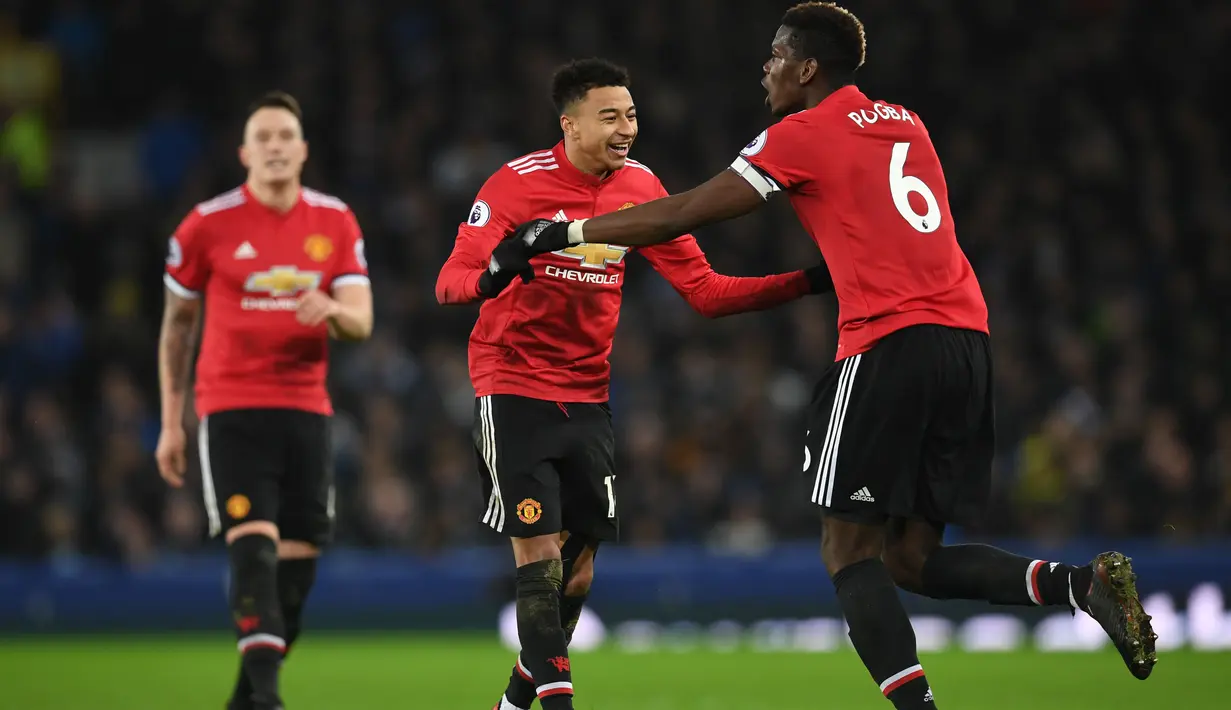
point(584, 164)
point(280, 197)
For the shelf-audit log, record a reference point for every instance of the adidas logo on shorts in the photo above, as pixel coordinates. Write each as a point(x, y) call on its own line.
point(863, 495)
point(927, 697)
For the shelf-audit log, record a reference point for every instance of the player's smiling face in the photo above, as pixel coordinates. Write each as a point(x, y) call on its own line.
point(783, 80)
point(274, 150)
point(603, 126)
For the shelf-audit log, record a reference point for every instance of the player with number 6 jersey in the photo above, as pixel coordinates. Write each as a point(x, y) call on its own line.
point(901, 429)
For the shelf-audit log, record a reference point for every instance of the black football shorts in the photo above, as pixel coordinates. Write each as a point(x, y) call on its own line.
point(905, 429)
point(546, 466)
point(268, 464)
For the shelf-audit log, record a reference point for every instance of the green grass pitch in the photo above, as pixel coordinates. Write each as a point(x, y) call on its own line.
point(465, 672)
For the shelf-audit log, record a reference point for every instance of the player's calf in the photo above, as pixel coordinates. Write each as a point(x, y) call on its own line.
point(257, 613)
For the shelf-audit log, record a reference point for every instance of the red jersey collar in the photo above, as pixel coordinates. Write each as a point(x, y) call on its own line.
point(573, 174)
point(261, 205)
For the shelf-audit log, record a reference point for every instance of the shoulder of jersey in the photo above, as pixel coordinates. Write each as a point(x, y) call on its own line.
point(541, 162)
point(314, 198)
point(228, 200)
point(630, 163)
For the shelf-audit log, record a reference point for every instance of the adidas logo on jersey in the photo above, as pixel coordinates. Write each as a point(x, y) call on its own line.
point(863, 495)
point(559, 217)
point(245, 251)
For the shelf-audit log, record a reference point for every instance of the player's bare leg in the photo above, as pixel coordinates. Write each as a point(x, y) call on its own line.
point(257, 614)
point(577, 558)
point(544, 655)
point(1105, 588)
point(296, 575)
point(879, 627)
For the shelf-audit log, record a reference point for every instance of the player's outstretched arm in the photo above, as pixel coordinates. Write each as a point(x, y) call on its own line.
point(180, 318)
point(725, 196)
point(715, 295)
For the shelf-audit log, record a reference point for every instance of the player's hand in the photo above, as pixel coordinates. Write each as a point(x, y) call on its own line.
point(315, 307)
point(509, 260)
point(542, 236)
point(170, 455)
point(819, 279)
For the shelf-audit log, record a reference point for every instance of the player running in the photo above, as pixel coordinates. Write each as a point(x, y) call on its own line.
point(538, 356)
point(282, 269)
point(901, 426)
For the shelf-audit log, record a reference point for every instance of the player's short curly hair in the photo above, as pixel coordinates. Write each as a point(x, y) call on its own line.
point(277, 99)
point(830, 34)
point(572, 81)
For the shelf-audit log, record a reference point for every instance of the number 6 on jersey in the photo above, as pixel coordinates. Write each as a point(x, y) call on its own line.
point(900, 186)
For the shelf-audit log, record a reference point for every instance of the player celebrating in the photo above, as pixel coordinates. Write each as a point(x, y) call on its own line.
point(538, 356)
point(282, 268)
point(902, 433)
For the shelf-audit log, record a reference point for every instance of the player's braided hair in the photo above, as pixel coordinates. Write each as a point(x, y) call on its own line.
point(277, 99)
point(830, 34)
point(572, 81)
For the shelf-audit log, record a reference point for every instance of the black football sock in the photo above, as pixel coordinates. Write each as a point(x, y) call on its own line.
point(295, 580)
point(544, 651)
point(259, 625)
point(520, 693)
point(881, 633)
point(991, 574)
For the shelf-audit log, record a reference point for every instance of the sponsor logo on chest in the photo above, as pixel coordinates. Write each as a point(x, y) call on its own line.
point(279, 288)
point(593, 258)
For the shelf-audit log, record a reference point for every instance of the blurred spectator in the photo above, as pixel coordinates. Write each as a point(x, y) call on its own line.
point(1089, 180)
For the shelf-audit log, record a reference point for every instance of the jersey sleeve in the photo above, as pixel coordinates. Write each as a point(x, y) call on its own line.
point(714, 295)
point(187, 268)
point(774, 161)
point(352, 267)
point(496, 212)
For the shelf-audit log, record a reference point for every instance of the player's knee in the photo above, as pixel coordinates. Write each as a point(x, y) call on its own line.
point(844, 543)
point(578, 584)
point(297, 550)
point(527, 550)
point(263, 528)
point(905, 565)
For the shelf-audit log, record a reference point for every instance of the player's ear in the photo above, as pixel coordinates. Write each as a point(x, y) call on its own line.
point(306, 152)
point(243, 157)
point(807, 71)
point(568, 125)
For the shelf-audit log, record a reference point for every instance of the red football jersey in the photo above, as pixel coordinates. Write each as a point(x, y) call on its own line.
point(550, 339)
point(868, 187)
point(252, 263)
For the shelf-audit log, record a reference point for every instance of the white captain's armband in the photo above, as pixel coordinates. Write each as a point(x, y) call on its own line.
point(762, 183)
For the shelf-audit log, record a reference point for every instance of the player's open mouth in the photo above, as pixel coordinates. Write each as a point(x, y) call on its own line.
point(620, 149)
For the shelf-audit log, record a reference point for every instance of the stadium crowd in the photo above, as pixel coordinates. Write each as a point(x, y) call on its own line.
point(1088, 177)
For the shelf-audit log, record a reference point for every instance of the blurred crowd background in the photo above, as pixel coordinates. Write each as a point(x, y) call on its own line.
point(1087, 166)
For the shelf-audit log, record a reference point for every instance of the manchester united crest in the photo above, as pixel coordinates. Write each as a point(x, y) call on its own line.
point(529, 511)
point(238, 506)
point(318, 247)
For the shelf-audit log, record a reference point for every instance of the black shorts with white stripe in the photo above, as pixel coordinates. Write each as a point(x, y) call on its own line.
point(268, 464)
point(905, 429)
point(546, 466)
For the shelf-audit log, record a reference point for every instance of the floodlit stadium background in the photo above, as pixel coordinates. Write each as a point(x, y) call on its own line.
point(1089, 178)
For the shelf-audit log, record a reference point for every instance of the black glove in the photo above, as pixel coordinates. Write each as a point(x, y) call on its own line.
point(509, 260)
point(819, 279)
point(542, 236)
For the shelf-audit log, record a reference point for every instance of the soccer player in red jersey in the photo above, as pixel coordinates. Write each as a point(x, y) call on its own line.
point(282, 268)
point(901, 429)
point(538, 356)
